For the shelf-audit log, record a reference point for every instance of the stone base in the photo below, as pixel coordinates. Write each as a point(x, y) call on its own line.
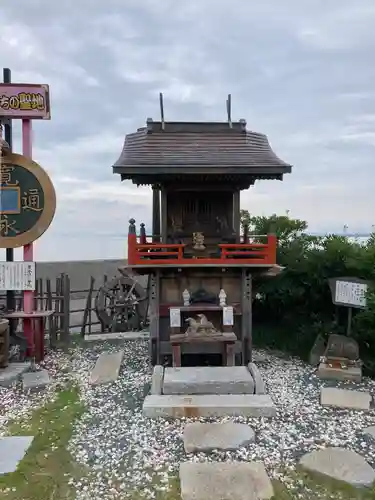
point(107, 368)
point(225, 480)
point(12, 373)
point(326, 372)
point(344, 398)
point(35, 381)
point(209, 405)
point(207, 437)
point(208, 380)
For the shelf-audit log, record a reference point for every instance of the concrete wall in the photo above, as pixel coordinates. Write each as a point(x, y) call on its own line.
point(79, 272)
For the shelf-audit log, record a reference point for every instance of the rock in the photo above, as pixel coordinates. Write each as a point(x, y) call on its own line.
point(260, 387)
point(12, 451)
point(12, 373)
point(107, 368)
point(317, 350)
point(35, 381)
point(344, 398)
point(340, 464)
point(211, 405)
point(370, 431)
point(157, 379)
point(224, 481)
point(208, 380)
point(208, 437)
point(326, 372)
point(258, 358)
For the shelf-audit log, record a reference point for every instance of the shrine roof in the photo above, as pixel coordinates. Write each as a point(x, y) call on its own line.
point(198, 147)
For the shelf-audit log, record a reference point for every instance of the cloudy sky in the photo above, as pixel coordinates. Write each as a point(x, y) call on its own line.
point(300, 71)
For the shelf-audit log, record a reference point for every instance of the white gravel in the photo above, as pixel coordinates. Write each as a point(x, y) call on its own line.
point(121, 448)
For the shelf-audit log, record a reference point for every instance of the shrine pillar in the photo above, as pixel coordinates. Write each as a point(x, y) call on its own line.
point(155, 213)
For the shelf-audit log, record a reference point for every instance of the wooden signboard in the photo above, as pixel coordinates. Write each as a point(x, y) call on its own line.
point(17, 276)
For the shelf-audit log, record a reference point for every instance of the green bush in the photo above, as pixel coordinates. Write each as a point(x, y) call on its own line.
point(295, 306)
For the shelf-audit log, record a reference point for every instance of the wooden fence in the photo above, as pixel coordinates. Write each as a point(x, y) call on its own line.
point(60, 298)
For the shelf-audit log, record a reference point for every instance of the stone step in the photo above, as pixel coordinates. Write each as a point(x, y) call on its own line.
point(225, 481)
point(225, 436)
point(208, 405)
point(208, 380)
point(107, 368)
point(345, 398)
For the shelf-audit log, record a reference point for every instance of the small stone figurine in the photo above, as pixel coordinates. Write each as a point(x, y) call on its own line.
point(222, 298)
point(198, 241)
point(186, 297)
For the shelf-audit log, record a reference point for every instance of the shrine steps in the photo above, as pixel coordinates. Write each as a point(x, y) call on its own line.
point(208, 405)
point(207, 391)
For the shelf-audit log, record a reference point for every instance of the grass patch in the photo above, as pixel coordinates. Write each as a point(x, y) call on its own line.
point(44, 471)
point(172, 490)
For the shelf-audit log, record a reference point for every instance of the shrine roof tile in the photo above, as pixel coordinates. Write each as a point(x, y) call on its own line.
point(204, 144)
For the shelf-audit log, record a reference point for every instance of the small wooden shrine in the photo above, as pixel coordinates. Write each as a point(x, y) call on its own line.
point(200, 266)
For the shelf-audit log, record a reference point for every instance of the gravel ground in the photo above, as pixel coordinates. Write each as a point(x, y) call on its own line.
point(122, 448)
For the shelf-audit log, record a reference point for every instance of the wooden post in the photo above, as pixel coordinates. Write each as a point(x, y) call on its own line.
point(246, 327)
point(236, 216)
point(57, 308)
point(272, 247)
point(66, 302)
point(155, 213)
point(51, 319)
point(132, 242)
point(87, 311)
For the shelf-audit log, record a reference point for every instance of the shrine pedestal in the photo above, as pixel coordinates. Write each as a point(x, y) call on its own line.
point(352, 373)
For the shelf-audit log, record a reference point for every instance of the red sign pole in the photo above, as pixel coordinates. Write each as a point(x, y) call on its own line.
point(28, 250)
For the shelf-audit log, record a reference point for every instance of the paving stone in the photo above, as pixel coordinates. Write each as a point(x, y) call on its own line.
point(208, 380)
point(157, 379)
point(12, 373)
point(260, 387)
point(370, 431)
point(97, 337)
point(210, 405)
point(207, 437)
point(34, 381)
point(12, 451)
point(344, 398)
point(107, 368)
point(224, 481)
point(340, 464)
point(326, 372)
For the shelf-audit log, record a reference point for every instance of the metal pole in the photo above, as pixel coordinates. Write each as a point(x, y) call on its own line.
point(8, 136)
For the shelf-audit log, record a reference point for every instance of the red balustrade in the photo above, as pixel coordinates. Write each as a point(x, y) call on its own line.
point(146, 254)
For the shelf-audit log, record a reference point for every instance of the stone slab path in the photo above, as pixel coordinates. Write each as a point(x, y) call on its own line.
point(107, 368)
point(12, 373)
point(211, 405)
point(12, 451)
point(224, 481)
point(35, 381)
point(344, 398)
point(208, 380)
point(370, 431)
point(221, 436)
point(340, 464)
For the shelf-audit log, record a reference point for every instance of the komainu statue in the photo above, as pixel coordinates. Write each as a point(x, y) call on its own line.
point(200, 327)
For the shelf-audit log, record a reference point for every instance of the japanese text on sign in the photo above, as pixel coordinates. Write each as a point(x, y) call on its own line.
point(351, 294)
point(24, 101)
point(17, 276)
point(15, 201)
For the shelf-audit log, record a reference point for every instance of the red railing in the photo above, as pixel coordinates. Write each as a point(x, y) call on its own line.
point(146, 254)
